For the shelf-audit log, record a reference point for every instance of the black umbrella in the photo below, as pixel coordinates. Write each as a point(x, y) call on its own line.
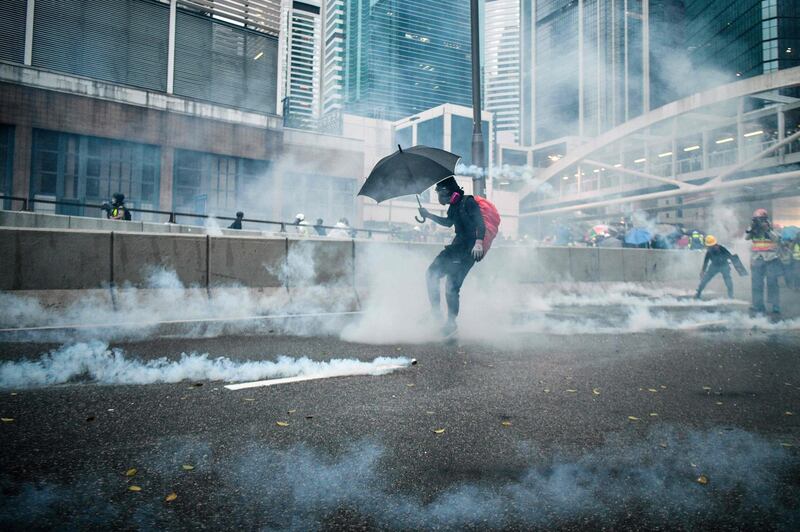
point(406, 172)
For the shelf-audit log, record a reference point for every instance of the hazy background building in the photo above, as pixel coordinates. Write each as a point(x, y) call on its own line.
point(405, 56)
point(501, 71)
point(299, 77)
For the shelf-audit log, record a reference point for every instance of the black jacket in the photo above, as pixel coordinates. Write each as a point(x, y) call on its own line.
point(718, 256)
point(465, 215)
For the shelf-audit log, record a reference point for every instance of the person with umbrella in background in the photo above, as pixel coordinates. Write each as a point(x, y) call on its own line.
point(457, 258)
point(716, 261)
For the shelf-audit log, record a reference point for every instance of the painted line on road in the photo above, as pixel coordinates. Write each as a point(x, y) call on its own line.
point(302, 378)
point(178, 322)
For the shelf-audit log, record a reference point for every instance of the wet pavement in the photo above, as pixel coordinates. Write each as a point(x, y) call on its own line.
point(659, 429)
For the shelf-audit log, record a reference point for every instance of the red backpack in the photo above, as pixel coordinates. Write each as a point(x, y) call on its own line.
point(491, 219)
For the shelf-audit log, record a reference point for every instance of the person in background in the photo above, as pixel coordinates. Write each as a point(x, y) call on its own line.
point(237, 223)
point(117, 210)
point(301, 225)
point(319, 229)
point(765, 264)
point(342, 229)
point(716, 261)
point(796, 262)
point(696, 241)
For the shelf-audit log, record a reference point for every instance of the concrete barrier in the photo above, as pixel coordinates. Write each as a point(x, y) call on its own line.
point(312, 261)
point(74, 259)
point(584, 264)
point(53, 260)
point(634, 265)
point(136, 255)
point(610, 265)
point(250, 262)
point(51, 221)
point(17, 219)
point(103, 224)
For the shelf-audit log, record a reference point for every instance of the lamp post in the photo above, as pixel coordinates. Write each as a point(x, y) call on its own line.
point(478, 181)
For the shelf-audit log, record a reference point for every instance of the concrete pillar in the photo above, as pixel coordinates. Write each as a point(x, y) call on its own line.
point(704, 149)
point(740, 156)
point(674, 147)
point(781, 129)
point(21, 172)
point(166, 178)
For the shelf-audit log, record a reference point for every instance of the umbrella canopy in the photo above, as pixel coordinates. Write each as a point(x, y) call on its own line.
point(601, 229)
point(789, 232)
point(638, 236)
point(409, 171)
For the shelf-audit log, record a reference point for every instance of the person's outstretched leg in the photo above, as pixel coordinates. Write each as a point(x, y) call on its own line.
point(455, 278)
point(773, 273)
point(433, 277)
point(726, 276)
point(757, 271)
point(707, 276)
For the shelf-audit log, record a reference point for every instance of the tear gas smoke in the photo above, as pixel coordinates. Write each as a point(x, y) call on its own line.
point(651, 482)
point(95, 362)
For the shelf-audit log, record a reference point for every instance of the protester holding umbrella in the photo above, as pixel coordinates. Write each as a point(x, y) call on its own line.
point(457, 258)
point(412, 171)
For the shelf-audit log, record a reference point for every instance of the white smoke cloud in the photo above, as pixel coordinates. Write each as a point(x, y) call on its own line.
point(95, 362)
point(650, 482)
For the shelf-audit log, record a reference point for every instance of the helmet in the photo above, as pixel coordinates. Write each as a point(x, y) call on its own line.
point(711, 240)
point(760, 213)
point(300, 216)
point(118, 197)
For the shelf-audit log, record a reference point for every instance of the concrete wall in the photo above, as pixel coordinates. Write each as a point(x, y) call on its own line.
point(44, 259)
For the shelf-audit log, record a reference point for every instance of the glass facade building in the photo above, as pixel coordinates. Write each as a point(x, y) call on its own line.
point(68, 167)
point(743, 38)
point(405, 56)
point(501, 68)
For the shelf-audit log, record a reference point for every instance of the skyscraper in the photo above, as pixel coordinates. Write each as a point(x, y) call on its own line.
point(333, 56)
point(744, 38)
point(299, 88)
point(502, 67)
point(404, 56)
point(586, 64)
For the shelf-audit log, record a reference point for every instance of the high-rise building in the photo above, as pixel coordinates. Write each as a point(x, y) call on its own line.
point(744, 38)
point(301, 47)
point(333, 56)
point(404, 56)
point(587, 64)
point(502, 67)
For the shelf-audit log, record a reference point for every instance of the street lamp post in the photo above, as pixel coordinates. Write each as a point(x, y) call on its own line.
point(479, 180)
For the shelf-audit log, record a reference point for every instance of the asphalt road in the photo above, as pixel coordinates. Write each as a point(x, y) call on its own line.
point(658, 430)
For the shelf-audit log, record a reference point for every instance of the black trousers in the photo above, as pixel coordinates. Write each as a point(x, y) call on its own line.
point(713, 271)
point(453, 264)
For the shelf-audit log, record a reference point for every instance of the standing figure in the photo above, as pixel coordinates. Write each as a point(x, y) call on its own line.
point(237, 223)
point(117, 209)
point(458, 257)
point(765, 263)
point(716, 261)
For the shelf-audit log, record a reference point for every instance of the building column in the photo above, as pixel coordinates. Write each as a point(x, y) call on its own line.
point(740, 131)
point(21, 172)
point(28, 57)
point(166, 178)
point(781, 129)
point(171, 47)
point(704, 149)
point(674, 147)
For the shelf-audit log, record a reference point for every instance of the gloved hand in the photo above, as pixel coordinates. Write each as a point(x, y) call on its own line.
point(477, 250)
point(424, 212)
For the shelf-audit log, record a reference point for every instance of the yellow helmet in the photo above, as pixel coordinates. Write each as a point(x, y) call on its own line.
point(710, 240)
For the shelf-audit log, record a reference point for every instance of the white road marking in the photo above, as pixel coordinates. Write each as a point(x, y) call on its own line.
point(176, 322)
point(301, 378)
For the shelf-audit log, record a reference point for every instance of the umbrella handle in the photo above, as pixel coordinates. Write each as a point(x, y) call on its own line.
point(417, 218)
